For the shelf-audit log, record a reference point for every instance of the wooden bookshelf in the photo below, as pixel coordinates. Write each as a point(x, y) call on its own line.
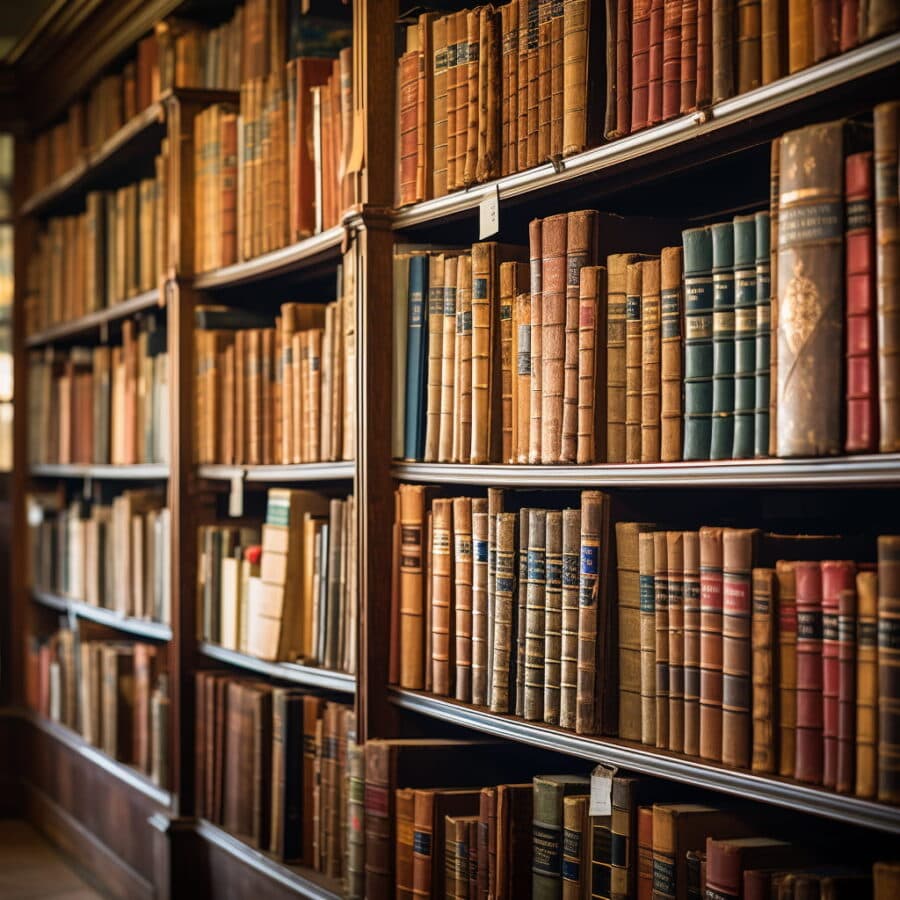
point(141, 628)
point(110, 472)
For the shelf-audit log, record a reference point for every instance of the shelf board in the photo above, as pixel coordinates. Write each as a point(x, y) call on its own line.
point(872, 470)
point(278, 262)
point(297, 881)
point(120, 770)
point(645, 147)
point(639, 758)
point(94, 320)
point(145, 628)
point(326, 471)
point(132, 472)
point(310, 676)
point(145, 126)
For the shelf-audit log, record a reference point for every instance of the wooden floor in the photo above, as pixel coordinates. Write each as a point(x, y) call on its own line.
point(32, 869)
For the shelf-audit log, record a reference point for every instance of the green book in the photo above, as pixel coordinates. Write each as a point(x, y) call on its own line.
point(698, 354)
point(744, 336)
point(722, 439)
point(547, 829)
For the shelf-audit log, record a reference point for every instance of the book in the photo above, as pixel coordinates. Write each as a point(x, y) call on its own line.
point(887, 628)
point(764, 599)
point(866, 683)
point(549, 795)
point(723, 328)
point(711, 613)
point(661, 625)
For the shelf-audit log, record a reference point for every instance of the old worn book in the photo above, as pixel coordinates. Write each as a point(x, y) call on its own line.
point(571, 558)
point(433, 809)
point(509, 75)
point(616, 267)
point(549, 794)
point(744, 335)
point(495, 507)
point(728, 858)
point(435, 319)
point(521, 376)
point(640, 63)
point(749, 45)
point(591, 373)
point(554, 230)
point(711, 643)
point(634, 274)
point(575, 837)
point(723, 50)
point(887, 880)
point(647, 571)
point(698, 346)
point(412, 594)
point(675, 597)
point(462, 599)
point(765, 593)
point(447, 408)
point(645, 852)
point(442, 631)
point(661, 622)
point(439, 103)
point(866, 683)
point(513, 284)
point(773, 40)
point(671, 312)
point(722, 435)
point(535, 588)
point(846, 715)
point(404, 841)
point(487, 103)
point(503, 673)
point(808, 581)
point(787, 667)
point(655, 82)
point(552, 616)
point(763, 336)
point(650, 362)
point(510, 872)
point(462, 418)
point(580, 42)
point(535, 253)
point(888, 642)
point(774, 197)
point(479, 600)
point(691, 600)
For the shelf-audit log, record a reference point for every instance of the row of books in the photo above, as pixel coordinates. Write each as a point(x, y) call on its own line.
point(491, 91)
point(114, 693)
point(669, 355)
point(292, 136)
point(288, 591)
point(93, 260)
point(432, 831)
point(717, 644)
point(114, 555)
point(106, 404)
point(277, 395)
point(280, 769)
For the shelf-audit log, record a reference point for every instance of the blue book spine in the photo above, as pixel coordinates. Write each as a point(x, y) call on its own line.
point(416, 356)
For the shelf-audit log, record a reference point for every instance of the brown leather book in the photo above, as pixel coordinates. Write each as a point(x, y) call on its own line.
point(826, 22)
point(553, 327)
point(550, 792)
point(545, 76)
point(511, 875)
point(613, 88)
point(576, 839)
point(640, 63)
point(661, 622)
point(704, 53)
point(675, 595)
point(764, 586)
point(521, 376)
point(877, 17)
point(846, 725)
point(591, 440)
point(495, 507)
point(711, 589)
point(787, 667)
point(435, 355)
point(623, 50)
point(442, 607)
point(645, 853)
point(408, 112)
point(513, 283)
point(486, 834)
point(439, 104)
point(503, 618)
point(749, 40)
point(810, 292)
point(462, 420)
point(671, 310)
point(404, 831)
point(688, 57)
point(571, 558)
point(467, 149)
point(728, 859)
point(557, 79)
point(774, 197)
point(655, 79)
point(888, 664)
point(647, 569)
point(394, 658)
point(808, 764)
point(673, 12)
point(691, 600)
point(489, 108)
point(723, 52)
point(529, 77)
point(553, 617)
point(773, 40)
point(633, 359)
point(535, 589)
point(581, 42)
point(886, 876)
point(432, 810)
point(800, 34)
point(535, 252)
point(509, 75)
point(866, 683)
point(887, 226)
point(479, 600)
point(412, 612)
point(462, 569)
point(650, 361)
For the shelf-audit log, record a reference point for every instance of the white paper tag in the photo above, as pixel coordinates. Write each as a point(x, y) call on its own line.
point(236, 496)
point(601, 790)
point(489, 213)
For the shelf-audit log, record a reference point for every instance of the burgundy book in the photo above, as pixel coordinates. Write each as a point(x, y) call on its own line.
point(688, 68)
point(623, 66)
point(704, 53)
point(846, 741)
point(640, 62)
point(862, 388)
point(671, 59)
point(655, 71)
point(808, 765)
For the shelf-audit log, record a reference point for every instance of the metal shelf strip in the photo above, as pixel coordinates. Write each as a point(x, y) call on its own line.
point(287, 876)
point(310, 676)
point(140, 627)
point(765, 789)
point(875, 469)
point(123, 772)
point(326, 471)
point(135, 472)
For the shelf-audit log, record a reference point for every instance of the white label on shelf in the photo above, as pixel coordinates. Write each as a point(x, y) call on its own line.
point(236, 496)
point(601, 790)
point(489, 213)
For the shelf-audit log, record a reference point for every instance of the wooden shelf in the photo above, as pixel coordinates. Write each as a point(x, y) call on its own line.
point(768, 789)
point(123, 772)
point(95, 320)
point(145, 628)
point(146, 128)
point(326, 471)
point(296, 881)
point(132, 472)
point(309, 676)
point(876, 470)
point(316, 249)
point(645, 149)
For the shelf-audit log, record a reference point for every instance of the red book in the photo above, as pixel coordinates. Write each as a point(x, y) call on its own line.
point(671, 59)
point(623, 66)
point(826, 28)
point(640, 62)
point(654, 92)
point(846, 742)
point(849, 24)
point(862, 390)
point(837, 576)
point(808, 766)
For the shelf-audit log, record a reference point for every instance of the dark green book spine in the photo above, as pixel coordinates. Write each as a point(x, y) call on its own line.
point(416, 359)
point(744, 335)
point(763, 334)
point(723, 341)
point(546, 865)
point(698, 355)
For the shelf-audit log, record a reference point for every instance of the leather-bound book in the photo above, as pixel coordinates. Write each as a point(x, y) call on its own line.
point(462, 423)
point(456, 857)
point(553, 617)
point(479, 600)
point(521, 375)
point(846, 726)
point(704, 53)
point(575, 867)
point(647, 571)
point(763, 337)
point(887, 262)
point(773, 40)
point(285, 839)
point(431, 809)
point(688, 61)
point(571, 558)
point(404, 831)
point(675, 593)
point(800, 34)
point(467, 147)
point(624, 75)
point(862, 389)
point(504, 620)
point(808, 580)
point(727, 860)
point(744, 335)
point(877, 17)
point(661, 618)
point(886, 876)
point(591, 438)
point(629, 627)
point(557, 80)
point(435, 319)
point(650, 361)
point(787, 667)
point(711, 590)
point(826, 22)
point(495, 507)
point(696, 875)
point(749, 51)
point(655, 68)
point(691, 600)
point(640, 63)
point(582, 30)
point(599, 855)
point(547, 829)
point(612, 86)
point(671, 310)
point(866, 683)
point(810, 291)
point(888, 666)
point(442, 606)
point(446, 412)
point(440, 69)
point(408, 112)
point(535, 615)
point(633, 353)
point(462, 570)
point(513, 282)
point(722, 435)
point(488, 104)
point(723, 51)
point(554, 230)
point(412, 613)
point(774, 196)
point(645, 853)
point(765, 587)
point(509, 79)
point(529, 77)
point(522, 608)
point(698, 342)
point(594, 529)
point(545, 78)
point(536, 261)
point(673, 12)
point(511, 876)
point(837, 576)
point(486, 833)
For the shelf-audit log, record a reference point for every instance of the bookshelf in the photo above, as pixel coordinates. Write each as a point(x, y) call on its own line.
point(646, 170)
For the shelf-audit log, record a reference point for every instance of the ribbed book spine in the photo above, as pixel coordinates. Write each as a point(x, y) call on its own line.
point(553, 617)
point(711, 643)
point(435, 356)
point(503, 615)
point(633, 372)
point(592, 513)
point(698, 346)
point(744, 335)
point(671, 58)
point(787, 667)
point(650, 361)
point(495, 507)
point(522, 385)
point(441, 596)
point(513, 279)
point(462, 424)
point(646, 556)
point(866, 684)
point(412, 613)
point(763, 336)
point(675, 585)
point(722, 438)
point(569, 648)
point(661, 615)
point(846, 740)
point(462, 567)
point(762, 633)
point(535, 253)
point(485, 368)
point(888, 664)
point(774, 196)
point(591, 373)
point(616, 267)
point(522, 609)
point(535, 615)
point(808, 580)
point(672, 310)
point(448, 410)
point(479, 601)
point(554, 230)
point(691, 643)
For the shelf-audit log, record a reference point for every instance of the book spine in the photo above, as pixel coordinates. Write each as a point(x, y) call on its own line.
point(574, 845)
point(888, 663)
point(423, 843)
point(534, 62)
point(763, 337)
point(537, 343)
point(547, 827)
point(773, 40)
point(673, 11)
point(650, 361)
point(698, 344)
point(749, 51)
point(591, 306)
point(545, 76)
point(408, 78)
point(446, 409)
point(616, 358)
point(645, 852)
point(592, 511)
point(469, 112)
point(808, 580)
point(826, 15)
point(479, 601)
point(675, 592)
point(623, 50)
point(462, 439)
point(510, 282)
point(441, 596)
point(846, 735)
point(405, 841)
point(485, 393)
point(849, 25)
point(536, 615)
point(462, 568)
point(554, 236)
point(522, 609)
point(553, 617)
point(503, 612)
point(774, 195)
point(723, 25)
point(633, 371)
point(522, 383)
point(722, 438)
point(691, 643)
point(671, 368)
point(629, 629)
point(711, 590)
point(866, 684)
point(762, 632)
point(434, 356)
point(489, 105)
point(655, 73)
point(640, 63)
point(745, 314)
point(646, 544)
point(575, 77)
point(704, 53)
point(569, 648)
point(495, 507)
point(557, 78)
point(439, 64)
point(412, 613)
point(379, 804)
point(661, 622)
point(688, 74)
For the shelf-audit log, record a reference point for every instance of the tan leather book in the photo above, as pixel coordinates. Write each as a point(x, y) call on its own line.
point(429, 591)
point(468, 148)
point(576, 848)
point(509, 874)
point(435, 355)
point(488, 122)
point(513, 283)
point(866, 683)
point(521, 355)
point(479, 600)
point(535, 235)
point(749, 51)
point(557, 79)
point(457, 94)
point(462, 419)
point(522, 609)
point(456, 856)
point(581, 250)
point(691, 601)
point(661, 621)
point(462, 569)
point(509, 75)
point(408, 113)
point(404, 831)
point(774, 196)
point(503, 612)
point(442, 631)
point(773, 40)
point(711, 643)
point(723, 50)
point(616, 266)
point(553, 326)
point(495, 507)
point(544, 77)
point(765, 587)
point(440, 77)
point(592, 310)
point(671, 312)
point(425, 131)
point(800, 34)
point(633, 358)
point(448, 363)
point(534, 64)
point(528, 21)
point(412, 514)
point(650, 361)
point(576, 29)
